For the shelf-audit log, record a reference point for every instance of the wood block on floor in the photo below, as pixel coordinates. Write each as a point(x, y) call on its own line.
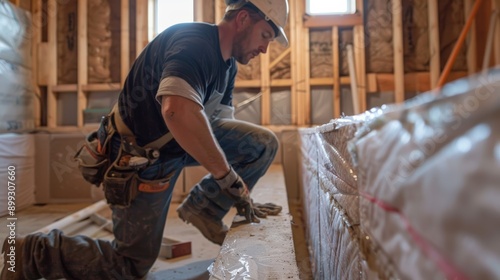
point(171, 248)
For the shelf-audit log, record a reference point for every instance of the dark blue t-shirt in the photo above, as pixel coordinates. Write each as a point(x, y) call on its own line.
point(190, 51)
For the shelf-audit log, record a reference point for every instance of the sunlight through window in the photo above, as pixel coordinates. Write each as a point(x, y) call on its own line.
point(170, 12)
point(323, 7)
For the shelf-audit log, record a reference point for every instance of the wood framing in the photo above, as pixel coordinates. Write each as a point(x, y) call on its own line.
point(198, 10)
point(490, 40)
point(294, 39)
point(397, 29)
point(64, 88)
point(434, 47)
point(306, 97)
point(354, 83)
point(471, 40)
point(459, 43)
point(279, 58)
point(359, 56)
point(141, 23)
point(36, 16)
point(46, 53)
point(496, 44)
point(220, 7)
point(102, 87)
point(336, 72)
point(82, 60)
point(301, 52)
point(496, 6)
point(52, 54)
point(124, 41)
point(332, 20)
point(413, 82)
point(265, 89)
point(299, 83)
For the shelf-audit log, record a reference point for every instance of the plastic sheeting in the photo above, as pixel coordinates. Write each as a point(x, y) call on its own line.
point(260, 250)
point(16, 98)
point(16, 92)
point(429, 181)
point(255, 257)
point(18, 152)
point(15, 36)
point(331, 200)
point(248, 106)
point(407, 191)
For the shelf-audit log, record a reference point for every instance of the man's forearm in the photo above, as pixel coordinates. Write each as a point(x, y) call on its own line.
point(191, 129)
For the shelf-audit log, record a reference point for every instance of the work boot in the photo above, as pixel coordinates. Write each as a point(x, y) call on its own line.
point(213, 230)
point(12, 268)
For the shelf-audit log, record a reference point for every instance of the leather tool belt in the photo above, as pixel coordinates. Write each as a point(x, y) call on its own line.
point(120, 178)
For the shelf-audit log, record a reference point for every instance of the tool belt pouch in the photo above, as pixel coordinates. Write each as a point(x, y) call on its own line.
point(92, 164)
point(120, 185)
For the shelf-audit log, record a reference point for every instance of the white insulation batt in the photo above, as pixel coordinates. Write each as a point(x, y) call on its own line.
point(17, 90)
point(331, 200)
point(408, 191)
point(17, 151)
point(17, 155)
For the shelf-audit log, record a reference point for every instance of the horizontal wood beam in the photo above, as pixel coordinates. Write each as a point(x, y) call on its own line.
point(413, 82)
point(332, 20)
point(247, 83)
point(382, 82)
point(65, 88)
point(281, 83)
point(102, 87)
point(329, 81)
point(376, 82)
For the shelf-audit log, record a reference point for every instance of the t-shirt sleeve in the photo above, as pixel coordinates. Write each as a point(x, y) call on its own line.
point(176, 86)
point(186, 60)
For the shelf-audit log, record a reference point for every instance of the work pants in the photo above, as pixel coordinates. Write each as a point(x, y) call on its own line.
point(138, 229)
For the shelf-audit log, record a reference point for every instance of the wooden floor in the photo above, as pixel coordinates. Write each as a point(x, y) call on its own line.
point(193, 266)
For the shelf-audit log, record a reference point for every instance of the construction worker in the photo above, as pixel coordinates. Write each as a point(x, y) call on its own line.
point(180, 86)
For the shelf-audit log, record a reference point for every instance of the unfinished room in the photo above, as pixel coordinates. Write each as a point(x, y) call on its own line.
point(303, 139)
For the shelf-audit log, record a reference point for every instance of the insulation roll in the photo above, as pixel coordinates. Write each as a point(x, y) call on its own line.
point(16, 98)
point(17, 152)
point(331, 200)
point(16, 92)
point(428, 179)
point(15, 36)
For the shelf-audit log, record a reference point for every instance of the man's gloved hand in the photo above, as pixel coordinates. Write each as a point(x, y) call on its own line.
point(233, 185)
point(265, 209)
point(260, 210)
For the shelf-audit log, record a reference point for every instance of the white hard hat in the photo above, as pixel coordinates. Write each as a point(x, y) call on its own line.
point(275, 11)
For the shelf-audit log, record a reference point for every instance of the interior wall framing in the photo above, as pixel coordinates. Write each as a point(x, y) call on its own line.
point(378, 55)
point(84, 52)
point(400, 47)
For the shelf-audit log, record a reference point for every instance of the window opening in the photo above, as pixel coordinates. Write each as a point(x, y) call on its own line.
point(330, 7)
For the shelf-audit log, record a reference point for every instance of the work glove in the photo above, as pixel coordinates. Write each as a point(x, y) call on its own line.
point(233, 185)
point(263, 210)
